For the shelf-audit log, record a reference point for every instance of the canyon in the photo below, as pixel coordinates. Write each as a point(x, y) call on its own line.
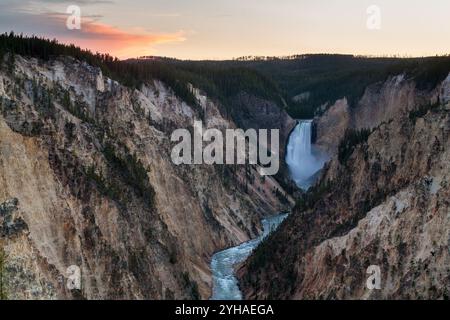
point(87, 180)
point(86, 175)
point(384, 202)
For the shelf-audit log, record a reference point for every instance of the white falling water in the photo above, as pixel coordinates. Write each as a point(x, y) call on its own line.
point(302, 163)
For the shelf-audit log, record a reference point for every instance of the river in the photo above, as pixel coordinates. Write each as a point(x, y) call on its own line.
point(225, 284)
point(303, 164)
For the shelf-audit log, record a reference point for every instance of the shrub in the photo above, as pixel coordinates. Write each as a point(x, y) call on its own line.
point(105, 188)
point(352, 138)
point(191, 286)
point(132, 171)
point(421, 111)
point(3, 292)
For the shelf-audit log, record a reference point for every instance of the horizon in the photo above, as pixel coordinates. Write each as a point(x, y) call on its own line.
point(293, 57)
point(240, 58)
point(227, 30)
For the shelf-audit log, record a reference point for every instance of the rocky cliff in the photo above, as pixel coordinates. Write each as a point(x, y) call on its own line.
point(86, 179)
point(381, 102)
point(385, 204)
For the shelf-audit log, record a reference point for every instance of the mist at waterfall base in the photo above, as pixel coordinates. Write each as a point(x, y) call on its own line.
point(302, 159)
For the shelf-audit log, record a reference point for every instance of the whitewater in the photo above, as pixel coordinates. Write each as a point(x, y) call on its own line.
point(303, 165)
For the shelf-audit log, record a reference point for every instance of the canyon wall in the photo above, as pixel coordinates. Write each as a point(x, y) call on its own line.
point(386, 205)
point(86, 179)
point(381, 102)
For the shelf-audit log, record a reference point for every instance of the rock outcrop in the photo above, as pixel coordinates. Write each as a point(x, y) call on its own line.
point(330, 128)
point(381, 102)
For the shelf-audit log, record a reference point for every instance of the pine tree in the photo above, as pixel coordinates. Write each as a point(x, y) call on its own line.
point(3, 292)
point(11, 63)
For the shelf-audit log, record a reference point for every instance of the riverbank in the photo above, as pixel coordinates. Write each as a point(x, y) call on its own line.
point(223, 263)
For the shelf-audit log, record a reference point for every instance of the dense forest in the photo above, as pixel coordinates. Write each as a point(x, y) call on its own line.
point(328, 77)
point(323, 77)
point(219, 83)
point(128, 73)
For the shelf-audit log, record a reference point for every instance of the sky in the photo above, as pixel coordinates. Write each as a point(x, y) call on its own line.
point(225, 29)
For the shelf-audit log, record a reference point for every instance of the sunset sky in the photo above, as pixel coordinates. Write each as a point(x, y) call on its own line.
point(222, 29)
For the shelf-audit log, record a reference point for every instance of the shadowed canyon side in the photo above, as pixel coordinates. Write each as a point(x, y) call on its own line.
point(382, 200)
point(86, 179)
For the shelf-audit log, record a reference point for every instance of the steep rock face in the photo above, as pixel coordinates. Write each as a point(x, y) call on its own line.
point(444, 93)
point(89, 163)
point(384, 101)
point(406, 236)
point(330, 128)
point(252, 112)
point(380, 103)
point(387, 205)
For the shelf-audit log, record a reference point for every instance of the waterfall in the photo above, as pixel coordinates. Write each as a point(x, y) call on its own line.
point(302, 162)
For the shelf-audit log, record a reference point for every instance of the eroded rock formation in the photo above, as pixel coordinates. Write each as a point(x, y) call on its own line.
point(88, 161)
point(387, 205)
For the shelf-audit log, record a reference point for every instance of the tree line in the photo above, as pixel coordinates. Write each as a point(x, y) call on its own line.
point(219, 83)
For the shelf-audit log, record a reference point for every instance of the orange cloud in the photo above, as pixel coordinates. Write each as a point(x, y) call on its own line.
point(108, 39)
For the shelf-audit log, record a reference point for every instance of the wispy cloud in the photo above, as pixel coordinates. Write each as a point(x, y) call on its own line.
point(106, 38)
point(94, 35)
